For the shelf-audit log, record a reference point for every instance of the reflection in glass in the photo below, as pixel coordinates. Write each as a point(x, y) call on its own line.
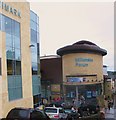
point(9, 67)
point(33, 36)
point(16, 42)
point(9, 40)
point(37, 37)
point(9, 53)
point(14, 87)
point(33, 16)
point(34, 49)
point(34, 57)
point(37, 27)
point(18, 68)
point(8, 27)
point(17, 54)
point(34, 68)
point(17, 29)
point(33, 26)
point(36, 84)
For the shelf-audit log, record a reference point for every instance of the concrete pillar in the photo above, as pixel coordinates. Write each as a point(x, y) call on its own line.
point(76, 96)
point(64, 92)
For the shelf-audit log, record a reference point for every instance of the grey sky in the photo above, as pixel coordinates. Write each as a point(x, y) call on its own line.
point(64, 23)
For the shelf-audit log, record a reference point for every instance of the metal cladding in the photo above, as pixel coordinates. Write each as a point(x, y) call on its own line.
point(81, 47)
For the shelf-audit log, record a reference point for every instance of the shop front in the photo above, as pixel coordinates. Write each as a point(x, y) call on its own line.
point(88, 91)
point(82, 64)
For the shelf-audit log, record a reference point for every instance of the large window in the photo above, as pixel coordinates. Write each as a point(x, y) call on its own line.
point(14, 87)
point(35, 54)
point(13, 56)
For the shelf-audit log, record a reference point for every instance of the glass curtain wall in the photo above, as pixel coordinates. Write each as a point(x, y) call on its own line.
point(13, 56)
point(34, 23)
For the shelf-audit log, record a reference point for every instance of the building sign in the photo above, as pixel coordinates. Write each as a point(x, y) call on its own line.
point(10, 9)
point(83, 62)
point(89, 94)
point(75, 79)
point(55, 88)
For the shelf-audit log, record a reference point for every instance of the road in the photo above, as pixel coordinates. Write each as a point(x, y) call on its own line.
point(110, 114)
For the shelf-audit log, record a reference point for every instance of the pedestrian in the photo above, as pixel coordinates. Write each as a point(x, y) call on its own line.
point(109, 104)
point(73, 108)
point(105, 104)
point(82, 99)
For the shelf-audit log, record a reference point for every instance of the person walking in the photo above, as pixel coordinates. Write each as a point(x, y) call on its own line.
point(109, 104)
point(105, 104)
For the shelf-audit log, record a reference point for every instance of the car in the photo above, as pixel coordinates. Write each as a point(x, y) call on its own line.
point(91, 106)
point(72, 114)
point(56, 113)
point(26, 114)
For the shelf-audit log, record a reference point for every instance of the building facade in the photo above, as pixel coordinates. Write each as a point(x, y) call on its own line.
point(51, 76)
point(19, 56)
point(82, 65)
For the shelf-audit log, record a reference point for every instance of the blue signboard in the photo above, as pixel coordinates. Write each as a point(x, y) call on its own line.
point(75, 79)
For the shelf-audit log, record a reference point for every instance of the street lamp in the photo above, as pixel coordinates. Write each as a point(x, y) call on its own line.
point(31, 45)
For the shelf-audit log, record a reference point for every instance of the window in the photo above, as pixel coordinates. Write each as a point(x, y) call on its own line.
point(36, 84)
point(50, 110)
point(9, 53)
point(13, 56)
point(33, 16)
point(34, 57)
point(33, 36)
point(34, 68)
point(37, 115)
point(9, 67)
point(13, 67)
point(8, 25)
point(17, 29)
point(9, 41)
point(34, 49)
point(18, 68)
point(0, 66)
point(17, 54)
point(33, 25)
point(34, 31)
point(16, 41)
point(14, 87)
point(61, 111)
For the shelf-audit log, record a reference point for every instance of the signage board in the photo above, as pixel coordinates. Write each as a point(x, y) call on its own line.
point(10, 9)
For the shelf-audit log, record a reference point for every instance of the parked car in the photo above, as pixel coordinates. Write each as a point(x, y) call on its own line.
point(26, 114)
point(56, 113)
point(72, 114)
point(90, 106)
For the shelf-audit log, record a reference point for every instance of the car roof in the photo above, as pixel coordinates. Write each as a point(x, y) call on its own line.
point(54, 107)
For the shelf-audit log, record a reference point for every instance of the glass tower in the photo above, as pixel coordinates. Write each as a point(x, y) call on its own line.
point(36, 85)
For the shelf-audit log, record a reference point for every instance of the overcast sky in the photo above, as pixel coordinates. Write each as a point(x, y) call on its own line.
point(64, 23)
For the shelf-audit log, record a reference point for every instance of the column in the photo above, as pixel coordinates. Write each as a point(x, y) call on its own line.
point(76, 96)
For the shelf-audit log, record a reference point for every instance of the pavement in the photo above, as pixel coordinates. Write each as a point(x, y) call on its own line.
point(110, 114)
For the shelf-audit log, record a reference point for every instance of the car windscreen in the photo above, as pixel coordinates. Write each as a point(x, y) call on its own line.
point(18, 113)
point(50, 110)
point(67, 110)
